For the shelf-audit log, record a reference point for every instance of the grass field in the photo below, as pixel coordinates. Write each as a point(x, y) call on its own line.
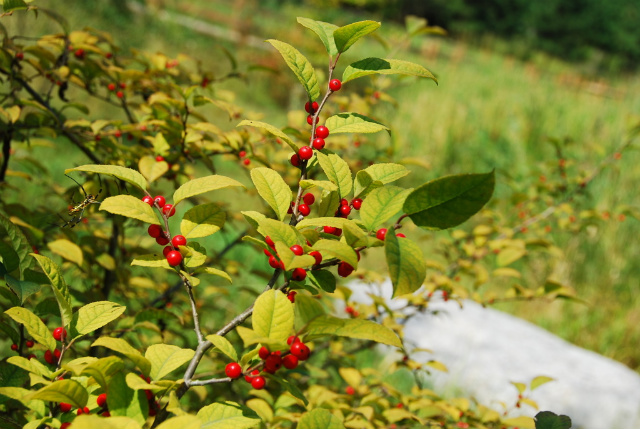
point(488, 111)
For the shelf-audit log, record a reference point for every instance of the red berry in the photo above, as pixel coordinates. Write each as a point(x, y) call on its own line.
point(304, 210)
point(297, 249)
point(14, 347)
point(269, 242)
point(305, 153)
point(298, 274)
point(56, 354)
point(64, 407)
point(273, 262)
point(123, 85)
point(119, 94)
point(311, 107)
point(111, 87)
point(79, 53)
point(309, 199)
point(65, 425)
point(290, 361)
point(174, 258)
point(242, 153)
point(264, 353)
point(168, 210)
point(322, 132)
point(318, 143)
point(267, 253)
point(382, 232)
point(329, 229)
point(335, 85)
point(162, 240)
point(291, 296)
point(159, 158)
point(233, 370)
point(106, 414)
point(293, 339)
point(19, 56)
point(147, 199)
point(248, 378)
point(166, 250)
point(345, 210)
point(300, 350)
point(59, 333)
point(108, 54)
point(178, 240)
point(295, 160)
point(246, 161)
point(350, 390)
point(258, 382)
point(310, 119)
point(344, 269)
point(154, 231)
point(30, 343)
point(48, 357)
point(272, 363)
point(401, 235)
point(357, 203)
point(102, 400)
point(159, 200)
point(349, 310)
point(316, 255)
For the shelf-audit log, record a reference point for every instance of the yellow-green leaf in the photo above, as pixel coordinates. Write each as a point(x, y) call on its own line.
point(349, 34)
point(384, 173)
point(337, 171)
point(320, 418)
point(337, 249)
point(151, 261)
point(349, 122)
point(130, 206)
point(324, 184)
point(32, 365)
point(152, 169)
point(97, 314)
point(103, 369)
point(370, 66)
point(219, 273)
point(300, 66)
point(324, 30)
point(271, 129)
point(126, 402)
point(278, 231)
point(93, 421)
point(60, 288)
point(202, 220)
point(69, 391)
point(273, 189)
point(407, 268)
point(521, 422)
point(183, 422)
point(539, 381)
point(202, 185)
point(19, 243)
point(222, 344)
point(381, 205)
point(226, 416)
point(67, 249)
point(353, 328)
point(34, 326)
point(273, 315)
point(121, 346)
point(165, 358)
point(122, 173)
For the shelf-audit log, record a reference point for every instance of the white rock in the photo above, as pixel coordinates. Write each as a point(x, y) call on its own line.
point(485, 350)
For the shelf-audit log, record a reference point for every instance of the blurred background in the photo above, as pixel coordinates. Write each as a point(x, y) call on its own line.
point(524, 87)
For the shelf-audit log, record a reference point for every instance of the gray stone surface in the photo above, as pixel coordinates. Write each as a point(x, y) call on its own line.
point(485, 350)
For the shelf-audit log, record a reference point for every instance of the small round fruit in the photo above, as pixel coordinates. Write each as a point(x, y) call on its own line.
point(318, 143)
point(273, 262)
point(258, 383)
point(297, 249)
point(155, 231)
point(48, 357)
point(64, 407)
point(272, 363)
point(233, 370)
point(329, 229)
point(246, 161)
point(168, 210)
point(147, 199)
point(344, 269)
point(309, 199)
point(162, 240)
point(316, 255)
point(335, 85)
point(299, 274)
point(264, 353)
point(345, 210)
point(291, 296)
point(322, 132)
point(59, 333)
point(300, 350)
point(269, 242)
point(253, 375)
point(19, 56)
point(356, 203)
point(305, 153)
point(14, 347)
point(178, 240)
point(79, 53)
point(122, 85)
point(159, 200)
point(65, 425)
point(30, 343)
point(166, 250)
point(382, 232)
point(174, 258)
point(119, 94)
point(102, 400)
point(242, 153)
point(111, 87)
point(310, 119)
point(295, 160)
point(159, 158)
point(311, 107)
point(350, 390)
point(290, 361)
point(292, 339)
point(401, 235)
point(304, 210)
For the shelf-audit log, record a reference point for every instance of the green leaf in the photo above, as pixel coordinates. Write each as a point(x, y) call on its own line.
point(349, 34)
point(355, 236)
point(222, 344)
point(337, 171)
point(324, 30)
point(353, 328)
point(407, 268)
point(32, 365)
point(93, 421)
point(96, 315)
point(152, 169)
point(121, 346)
point(329, 203)
point(160, 145)
point(278, 231)
point(34, 326)
point(219, 273)
point(291, 260)
point(308, 308)
point(539, 381)
point(153, 261)
point(320, 418)
point(322, 279)
point(291, 387)
point(364, 184)
point(253, 218)
point(130, 206)
point(204, 184)
point(384, 173)
point(202, 220)
point(11, 5)
point(67, 249)
point(103, 369)
point(11, 333)
point(19, 243)
point(273, 316)
point(381, 205)
point(273, 189)
point(324, 184)
point(122, 173)
point(349, 122)
point(449, 201)
point(337, 222)
point(273, 130)
point(165, 358)
point(300, 66)
point(69, 391)
point(183, 422)
point(22, 288)
point(59, 286)
point(337, 249)
point(549, 420)
point(370, 66)
point(194, 254)
point(226, 416)
point(126, 402)
point(23, 396)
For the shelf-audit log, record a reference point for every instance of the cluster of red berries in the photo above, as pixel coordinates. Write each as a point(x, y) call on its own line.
point(242, 154)
point(304, 209)
point(351, 311)
point(306, 152)
point(28, 343)
point(271, 362)
point(112, 87)
point(174, 257)
point(298, 274)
